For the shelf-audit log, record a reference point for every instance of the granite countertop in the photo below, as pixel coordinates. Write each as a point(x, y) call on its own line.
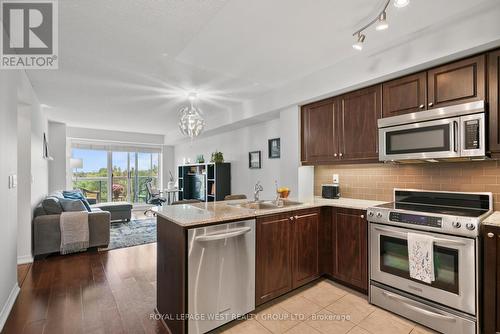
point(187, 215)
point(493, 219)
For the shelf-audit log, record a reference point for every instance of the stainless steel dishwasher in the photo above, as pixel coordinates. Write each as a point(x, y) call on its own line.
point(221, 274)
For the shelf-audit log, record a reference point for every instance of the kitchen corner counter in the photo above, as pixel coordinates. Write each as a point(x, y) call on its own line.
point(493, 219)
point(195, 215)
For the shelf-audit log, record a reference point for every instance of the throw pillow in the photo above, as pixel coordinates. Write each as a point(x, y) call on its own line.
point(77, 194)
point(51, 206)
point(72, 205)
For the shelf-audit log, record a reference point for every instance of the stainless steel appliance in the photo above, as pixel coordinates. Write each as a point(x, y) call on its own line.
point(221, 274)
point(455, 132)
point(448, 304)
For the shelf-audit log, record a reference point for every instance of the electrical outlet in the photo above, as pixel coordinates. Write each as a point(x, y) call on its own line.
point(14, 181)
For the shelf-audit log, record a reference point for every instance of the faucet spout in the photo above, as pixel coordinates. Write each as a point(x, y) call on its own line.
point(257, 189)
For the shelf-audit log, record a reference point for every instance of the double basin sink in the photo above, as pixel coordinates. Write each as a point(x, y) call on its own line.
point(265, 205)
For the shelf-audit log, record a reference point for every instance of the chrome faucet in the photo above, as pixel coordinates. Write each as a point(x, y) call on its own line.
point(258, 189)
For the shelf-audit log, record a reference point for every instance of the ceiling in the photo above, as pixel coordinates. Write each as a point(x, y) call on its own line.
point(127, 65)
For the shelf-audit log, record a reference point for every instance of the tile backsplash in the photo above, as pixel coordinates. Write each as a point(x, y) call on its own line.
point(377, 181)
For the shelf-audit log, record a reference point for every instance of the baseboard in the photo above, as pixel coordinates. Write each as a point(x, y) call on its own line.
point(24, 259)
point(8, 305)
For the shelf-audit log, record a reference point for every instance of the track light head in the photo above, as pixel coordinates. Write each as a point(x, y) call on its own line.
point(401, 3)
point(382, 22)
point(359, 44)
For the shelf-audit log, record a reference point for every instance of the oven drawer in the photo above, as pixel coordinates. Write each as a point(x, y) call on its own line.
point(436, 318)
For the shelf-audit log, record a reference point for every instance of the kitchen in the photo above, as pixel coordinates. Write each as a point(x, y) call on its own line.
point(437, 131)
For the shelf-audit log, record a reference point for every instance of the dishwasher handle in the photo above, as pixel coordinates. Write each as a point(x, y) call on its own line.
point(228, 234)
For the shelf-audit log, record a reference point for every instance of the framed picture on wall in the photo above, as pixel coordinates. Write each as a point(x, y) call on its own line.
point(254, 160)
point(274, 148)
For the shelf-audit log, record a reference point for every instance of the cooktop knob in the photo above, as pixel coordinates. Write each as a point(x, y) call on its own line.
point(470, 227)
point(456, 224)
point(370, 213)
point(379, 214)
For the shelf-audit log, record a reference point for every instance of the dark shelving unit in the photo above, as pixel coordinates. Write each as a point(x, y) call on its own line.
point(206, 182)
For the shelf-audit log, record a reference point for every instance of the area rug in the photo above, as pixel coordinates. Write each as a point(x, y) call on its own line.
point(132, 233)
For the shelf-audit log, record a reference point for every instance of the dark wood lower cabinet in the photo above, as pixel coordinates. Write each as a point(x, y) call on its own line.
point(349, 247)
point(287, 253)
point(273, 257)
point(305, 233)
point(491, 279)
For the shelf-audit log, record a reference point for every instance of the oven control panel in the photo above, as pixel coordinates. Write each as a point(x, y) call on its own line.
point(416, 219)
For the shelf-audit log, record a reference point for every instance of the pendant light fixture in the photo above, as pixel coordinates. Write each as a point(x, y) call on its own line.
point(380, 23)
point(191, 122)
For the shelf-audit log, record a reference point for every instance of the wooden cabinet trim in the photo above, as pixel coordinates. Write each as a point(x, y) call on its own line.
point(494, 100)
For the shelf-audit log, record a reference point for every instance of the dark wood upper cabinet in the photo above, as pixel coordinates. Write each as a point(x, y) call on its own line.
point(305, 233)
point(318, 141)
point(273, 257)
point(358, 115)
point(494, 100)
point(350, 247)
point(405, 95)
point(491, 279)
point(459, 82)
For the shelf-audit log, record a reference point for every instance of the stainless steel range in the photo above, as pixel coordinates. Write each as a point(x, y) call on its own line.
point(449, 303)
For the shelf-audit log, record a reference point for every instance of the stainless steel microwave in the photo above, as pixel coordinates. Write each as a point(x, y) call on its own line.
point(451, 133)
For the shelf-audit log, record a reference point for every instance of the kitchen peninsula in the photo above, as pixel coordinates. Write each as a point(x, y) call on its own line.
point(239, 256)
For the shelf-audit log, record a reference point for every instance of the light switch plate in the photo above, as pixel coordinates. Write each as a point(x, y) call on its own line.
point(14, 181)
point(10, 182)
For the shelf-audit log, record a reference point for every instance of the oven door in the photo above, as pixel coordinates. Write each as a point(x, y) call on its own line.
point(454, 266)
point(423, 140)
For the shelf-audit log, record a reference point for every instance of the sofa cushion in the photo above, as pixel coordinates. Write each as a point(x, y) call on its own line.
point(51, 206)
point(39, 211)
point(72, 204)
point(77, 194)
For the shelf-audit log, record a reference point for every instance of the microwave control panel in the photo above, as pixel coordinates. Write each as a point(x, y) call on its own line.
point(471, 128)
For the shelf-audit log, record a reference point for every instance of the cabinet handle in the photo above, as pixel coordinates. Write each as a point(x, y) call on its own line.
point(431, 104)
point(490, 235)
point(296, 217)
point(291, 219)
point(335, 154)
point(421, 106)
point(340, 154)
point(362, 216)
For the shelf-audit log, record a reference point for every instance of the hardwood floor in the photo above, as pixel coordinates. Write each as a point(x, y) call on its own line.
point(94, 292)
point(22, 272)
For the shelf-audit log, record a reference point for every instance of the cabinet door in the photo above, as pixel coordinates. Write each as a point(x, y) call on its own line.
point(305, 234)
point(459, 82)
point(319, 141)
point(491, 279)
point(494, 100)
point(273, 257)
point(405, 95)
point(358, 115)
point(350, 239)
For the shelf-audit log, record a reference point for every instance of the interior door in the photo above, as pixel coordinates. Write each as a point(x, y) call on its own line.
point(358, 116)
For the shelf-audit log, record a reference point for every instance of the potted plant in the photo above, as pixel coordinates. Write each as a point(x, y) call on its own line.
point(200, 159)
point(217, 157)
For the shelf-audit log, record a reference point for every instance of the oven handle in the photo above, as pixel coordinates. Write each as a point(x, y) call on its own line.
point(436, 240)
point(405, 303)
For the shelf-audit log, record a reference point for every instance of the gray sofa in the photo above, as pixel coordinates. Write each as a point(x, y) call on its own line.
point(47, 232)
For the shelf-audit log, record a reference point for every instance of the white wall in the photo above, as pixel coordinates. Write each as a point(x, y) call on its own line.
point(58, 167)
point(236, 144)
point(39, 165)
point(8, 197)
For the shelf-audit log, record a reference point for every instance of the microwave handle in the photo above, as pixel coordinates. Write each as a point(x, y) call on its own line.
point(455, 136)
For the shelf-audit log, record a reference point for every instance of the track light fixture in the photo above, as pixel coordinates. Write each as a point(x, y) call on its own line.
point(359, 44)
point(401, 3)
point(380, 22)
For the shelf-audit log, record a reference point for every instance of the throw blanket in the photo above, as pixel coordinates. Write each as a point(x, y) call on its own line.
point(74, 231)
point(421, 257)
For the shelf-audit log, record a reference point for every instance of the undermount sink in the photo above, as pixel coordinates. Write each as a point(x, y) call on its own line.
point(264, 205)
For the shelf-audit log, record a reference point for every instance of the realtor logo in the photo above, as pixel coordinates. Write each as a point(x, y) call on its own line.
point(29, 38)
